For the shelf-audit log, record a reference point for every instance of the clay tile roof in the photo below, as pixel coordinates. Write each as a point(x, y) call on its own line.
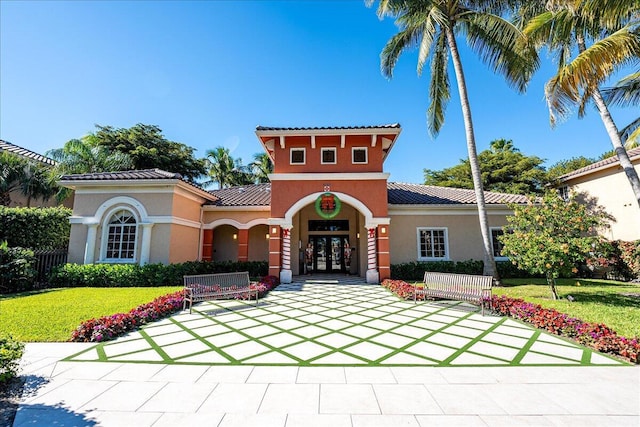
point(386, 126)
point(609, 161)
point(28, 154)
point(247, 195)
point(416, 194)
point(123, 175)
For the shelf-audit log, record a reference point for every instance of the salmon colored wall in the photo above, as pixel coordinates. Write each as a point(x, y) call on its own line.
point(384, 260)
point(344, 162)
point(183, 244)
point(373, 193)
point(225, 248)
point(207, 245)
point(186, 208)
point(258, 243)
point(274, 251)
point(242, 217)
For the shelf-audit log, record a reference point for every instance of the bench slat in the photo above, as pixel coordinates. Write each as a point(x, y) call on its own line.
point(205, 287)
point(461, 287)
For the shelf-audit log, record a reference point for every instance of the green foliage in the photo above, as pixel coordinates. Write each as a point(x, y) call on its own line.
point(51, 315)
point(16, 269)
point(565, 166)
point(149, 149)
point(35, 228)
point(551, 237)
point(503, 169)
point(10, 354)
point(415, 270)
point(630, 256)
point(128, 275)
point(30, 178)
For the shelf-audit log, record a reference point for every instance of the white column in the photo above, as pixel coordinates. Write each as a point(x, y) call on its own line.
point(90, 246)
point(145, 248)
point(372, 257)
point(285, 273)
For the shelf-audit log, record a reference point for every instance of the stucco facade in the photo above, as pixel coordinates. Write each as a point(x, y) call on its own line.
point(328, 208)
point(607, 184)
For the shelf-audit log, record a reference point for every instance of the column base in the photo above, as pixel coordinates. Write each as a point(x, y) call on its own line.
point(373, 276)
point(285, 276)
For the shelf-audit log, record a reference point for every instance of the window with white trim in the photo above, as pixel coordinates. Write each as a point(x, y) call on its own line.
point(328, 156)
point(359, 155)
point(121, 236)
point(496, 244)
point(298, 156)
point(432, 244)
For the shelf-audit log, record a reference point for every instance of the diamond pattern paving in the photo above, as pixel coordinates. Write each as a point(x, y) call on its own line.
point(316, 323)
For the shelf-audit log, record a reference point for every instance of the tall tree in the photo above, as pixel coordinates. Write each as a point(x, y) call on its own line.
point(11, 167)
point(32, 179)
point(261, 167)
point(84, 156)
point(565, 166)
point(149, 149)
point(224, 170)
point(503, 168)
point(432, 25)
point(605, 35)
point(626, 93)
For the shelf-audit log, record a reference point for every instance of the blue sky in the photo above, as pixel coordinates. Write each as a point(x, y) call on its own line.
point(209, 72)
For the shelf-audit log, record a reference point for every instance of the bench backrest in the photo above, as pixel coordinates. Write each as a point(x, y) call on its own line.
point(223, 279)
point(457, 282)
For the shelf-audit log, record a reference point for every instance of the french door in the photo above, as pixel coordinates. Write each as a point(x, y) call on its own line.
point(331, 254)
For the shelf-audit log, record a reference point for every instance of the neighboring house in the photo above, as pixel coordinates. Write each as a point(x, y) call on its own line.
point(606, 182)
point(328, 208)
point(19, 199)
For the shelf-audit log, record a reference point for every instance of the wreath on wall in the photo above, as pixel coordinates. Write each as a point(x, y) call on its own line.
point(328, 205)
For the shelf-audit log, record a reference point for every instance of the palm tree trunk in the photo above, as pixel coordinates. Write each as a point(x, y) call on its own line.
point(614, 135)
point(489, 262)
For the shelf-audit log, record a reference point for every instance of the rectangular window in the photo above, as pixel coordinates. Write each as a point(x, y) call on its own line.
point(432, 244)
point(497, 244)
point(297, 156)
point(359, 155)
point(328, 156)
point(563, 192)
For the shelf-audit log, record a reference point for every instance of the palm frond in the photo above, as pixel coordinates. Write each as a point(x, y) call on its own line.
point(630, 134)
point(439, 88)
point(625, 93)
point(397, 44)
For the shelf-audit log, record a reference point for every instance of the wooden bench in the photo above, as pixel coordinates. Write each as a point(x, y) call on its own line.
point(459, 287)
point(207, 287)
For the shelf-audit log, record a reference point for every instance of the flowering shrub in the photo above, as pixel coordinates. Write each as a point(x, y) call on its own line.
point(597, 336)
point(401, 288)
point(110, 327)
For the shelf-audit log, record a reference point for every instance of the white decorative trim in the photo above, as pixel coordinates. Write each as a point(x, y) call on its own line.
point(366, 155)
point(304, 154)
point(374, 139)
point(138, 208)
point(311, 198)
point(236, 224)
point(106, 216)
point(282, 141)
point(338, 176)
point(166, 219)
point(328, 132)
point(335, 155)
point(447, 255)
point(313, 141)
point(213, 208)
point(342, 140)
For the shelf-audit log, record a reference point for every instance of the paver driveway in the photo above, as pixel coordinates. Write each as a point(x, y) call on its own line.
point(320, 322)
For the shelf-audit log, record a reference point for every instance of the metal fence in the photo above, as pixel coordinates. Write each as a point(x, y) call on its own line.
point(46, 260)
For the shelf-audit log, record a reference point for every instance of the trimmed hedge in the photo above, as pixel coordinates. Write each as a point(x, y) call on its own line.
point(126, 275)
point(415, 270)
point(16, 269)
point(35, 228)
point(10, 354)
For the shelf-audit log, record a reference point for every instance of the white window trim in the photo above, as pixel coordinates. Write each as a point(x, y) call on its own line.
point(366, 155)
point(105, 238)
point(304, 154)
point(563, 192)
point(497, 258)
point(446, 244)
point(335, 155)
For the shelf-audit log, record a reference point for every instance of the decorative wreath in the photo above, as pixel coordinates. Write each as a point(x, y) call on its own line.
point(328, 205)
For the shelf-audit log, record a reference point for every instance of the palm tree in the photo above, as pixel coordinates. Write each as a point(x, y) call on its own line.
point(626, 93)
point(220, 167)
point(38, 181)
point(612, 28)
point(11, 169)
point(432, 25)
point(82, 156)
point(261, 167)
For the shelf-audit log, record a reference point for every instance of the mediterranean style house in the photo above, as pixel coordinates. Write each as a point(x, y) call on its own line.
point(606, 182)
point(328, 208)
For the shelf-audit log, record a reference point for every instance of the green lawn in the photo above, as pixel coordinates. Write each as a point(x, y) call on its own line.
point(52, 315)
point(599, 301)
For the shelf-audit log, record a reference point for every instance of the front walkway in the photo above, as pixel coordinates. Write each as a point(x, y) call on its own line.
point(351, 355)
point(320, 322)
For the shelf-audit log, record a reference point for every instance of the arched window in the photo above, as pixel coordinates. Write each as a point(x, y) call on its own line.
point(121, 234)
